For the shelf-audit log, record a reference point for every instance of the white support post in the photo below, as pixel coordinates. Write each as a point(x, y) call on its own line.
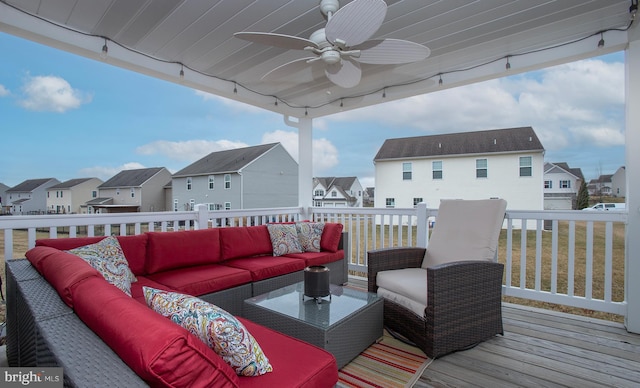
point(423, 225)
point(305, 163)
point(202, 218)
point(632, 171)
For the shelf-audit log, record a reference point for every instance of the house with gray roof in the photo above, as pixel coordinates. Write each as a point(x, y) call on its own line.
point(561, 186)
point(71, 196)
point(138, 190)
point(30, 196)
point(4, 208)
point(502, 163)
point(337, 192)
point(254, 177)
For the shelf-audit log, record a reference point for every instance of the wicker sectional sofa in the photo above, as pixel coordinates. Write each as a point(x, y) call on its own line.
point(62, 312)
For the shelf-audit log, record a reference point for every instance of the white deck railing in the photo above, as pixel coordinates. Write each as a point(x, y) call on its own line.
point(572, 258)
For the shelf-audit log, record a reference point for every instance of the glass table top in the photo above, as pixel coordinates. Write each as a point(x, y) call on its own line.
point(322, 312)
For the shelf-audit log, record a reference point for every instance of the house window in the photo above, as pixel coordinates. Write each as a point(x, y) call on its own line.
point(189, 183)
point(416, 201)
point(481, 168)
point(390, 202)
point(94, 194)
point(175, 205)
point(192, 204)
point(227, 206)
point(227, 181)
point(334, 194)
point(317, 204)
point(548, 185)
point(525, 166)
point(117, 191)
point(565, 184)
point(211, 182)
point(406, 171)
point(319, 193)
point(133, 192)
point(436, 168)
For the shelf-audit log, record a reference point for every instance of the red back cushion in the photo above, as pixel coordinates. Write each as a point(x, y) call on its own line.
point(331, 236)
point(245, 241)
point(161, 352)
point(170, 250)
point(61, 269)
point(134, 247)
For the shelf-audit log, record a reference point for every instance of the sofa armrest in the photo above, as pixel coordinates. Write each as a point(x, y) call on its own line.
point(391, 258)
point(463, 289)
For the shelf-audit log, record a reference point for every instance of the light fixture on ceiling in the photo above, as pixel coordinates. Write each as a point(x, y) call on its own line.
point(235, 88)
point(181, 71)
point(440, 80)
point(105, 50)
point(508, 65)
point(601, 41)
point(633, 9)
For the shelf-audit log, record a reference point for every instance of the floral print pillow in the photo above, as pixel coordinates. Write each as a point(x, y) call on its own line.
point(284, 239)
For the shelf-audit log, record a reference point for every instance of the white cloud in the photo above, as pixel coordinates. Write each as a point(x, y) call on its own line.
point(104, 172)
point(51, 94)
point(575, 103)
point(190, 150)
point(3, 91)
point(325, 154)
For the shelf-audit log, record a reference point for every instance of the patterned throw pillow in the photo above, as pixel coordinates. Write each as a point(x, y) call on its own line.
point(284, 239)
point(218, 329)
point(107, 257)
point(309, 235)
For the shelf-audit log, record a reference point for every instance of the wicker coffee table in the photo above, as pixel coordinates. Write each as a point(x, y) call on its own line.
point(344, 324)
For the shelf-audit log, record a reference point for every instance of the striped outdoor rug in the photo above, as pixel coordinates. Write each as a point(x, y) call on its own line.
point(389, 363)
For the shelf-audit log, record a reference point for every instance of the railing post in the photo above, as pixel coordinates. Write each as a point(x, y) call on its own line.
point(202, 219)
point(423, 225)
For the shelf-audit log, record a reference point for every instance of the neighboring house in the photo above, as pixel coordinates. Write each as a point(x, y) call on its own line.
point(255, 177)
point(72, 196)
point(561, 186)
point(369, 195)
point(601, 185)
point(30, 196)
point(501, 163)
point(337, 192)
point(139, 190)
point(4, 207)
point(619, 183)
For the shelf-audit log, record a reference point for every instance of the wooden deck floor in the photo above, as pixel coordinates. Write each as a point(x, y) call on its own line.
point(541, 348)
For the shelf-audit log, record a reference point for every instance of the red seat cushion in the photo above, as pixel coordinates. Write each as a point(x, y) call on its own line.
point(161, 352)
point(169, 250)
point(245, 241)
point(331, 234)
point(133, 247)
point(295, 363)
point(143, 281)
point(203, 279)
point(318, 258)
point(264, 267)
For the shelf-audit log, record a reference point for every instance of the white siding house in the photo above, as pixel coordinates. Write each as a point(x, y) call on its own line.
point(561, 186)
point(29, 197)
point(619, 183)
point(71, 196)
point(503, 163)
point(138, 190)
point(337, 192)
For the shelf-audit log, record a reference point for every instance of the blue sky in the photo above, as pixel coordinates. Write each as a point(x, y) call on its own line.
point(65, 116)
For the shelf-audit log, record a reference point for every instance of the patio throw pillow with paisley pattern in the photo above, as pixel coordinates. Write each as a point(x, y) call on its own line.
point(107, 257)
point(218, 329)
point(309, 235)
point(284, 239)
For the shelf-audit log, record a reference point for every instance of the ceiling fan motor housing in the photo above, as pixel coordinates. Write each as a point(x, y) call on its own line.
point(330, 57)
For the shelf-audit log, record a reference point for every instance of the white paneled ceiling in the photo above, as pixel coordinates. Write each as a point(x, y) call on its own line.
point(469, 41)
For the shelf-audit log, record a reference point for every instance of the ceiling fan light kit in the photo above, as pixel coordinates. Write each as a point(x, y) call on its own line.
point(343, 44)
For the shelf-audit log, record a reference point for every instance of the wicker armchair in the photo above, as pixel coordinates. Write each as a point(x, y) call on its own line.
point(462, 305)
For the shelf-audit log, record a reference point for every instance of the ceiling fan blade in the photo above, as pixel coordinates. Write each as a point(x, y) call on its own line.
point(276, 40)
point(296, 71)
point(391, 52)
point(356, 22)
point(345, 73)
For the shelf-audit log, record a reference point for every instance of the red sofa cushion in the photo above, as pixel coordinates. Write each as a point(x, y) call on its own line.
point(295, 363)
point(317, 258)
point(203, 279)
point(169, 250)
point(331, 234)
point(134, 247)
point(245, 241)
point(161, 352)
point(264, 267)
point(63, 270)
point(143, 281)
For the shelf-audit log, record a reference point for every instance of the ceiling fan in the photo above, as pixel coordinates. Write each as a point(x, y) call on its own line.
point(342, 44)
